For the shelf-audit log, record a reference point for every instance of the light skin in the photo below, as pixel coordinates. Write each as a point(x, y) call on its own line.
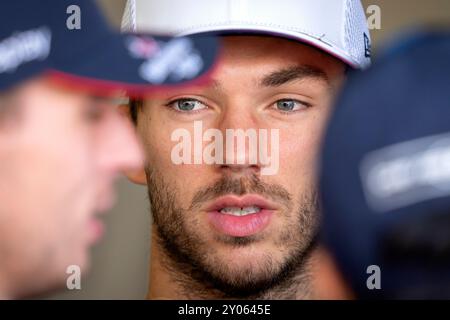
point(260, 83)
point(60, 152)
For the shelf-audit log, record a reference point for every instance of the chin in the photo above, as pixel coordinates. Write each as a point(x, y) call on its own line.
point(252, 259)
point(240, 279)
point(80, 259)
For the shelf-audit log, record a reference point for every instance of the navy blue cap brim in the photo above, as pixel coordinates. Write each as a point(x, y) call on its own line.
point(140, 64)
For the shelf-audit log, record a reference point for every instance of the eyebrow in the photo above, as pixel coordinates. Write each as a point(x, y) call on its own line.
point(283, 76)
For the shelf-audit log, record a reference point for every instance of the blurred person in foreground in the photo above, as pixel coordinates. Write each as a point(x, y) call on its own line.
point(233, 227)
point(385, 178)
point(61, 145)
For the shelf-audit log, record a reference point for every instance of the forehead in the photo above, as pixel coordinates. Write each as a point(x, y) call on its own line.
point(268, 52)
point(264, 62)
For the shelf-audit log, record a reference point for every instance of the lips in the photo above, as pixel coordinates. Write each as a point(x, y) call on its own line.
point(240, 216)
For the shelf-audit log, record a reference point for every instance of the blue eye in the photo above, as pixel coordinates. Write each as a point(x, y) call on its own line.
point(288, 105)
point(187, 105)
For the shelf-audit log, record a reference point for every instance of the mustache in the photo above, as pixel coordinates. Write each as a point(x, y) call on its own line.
point(241, 186)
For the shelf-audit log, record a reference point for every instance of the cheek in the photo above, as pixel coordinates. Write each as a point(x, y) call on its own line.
point(158, 146)
point(299, 150)
point(47, 205)
point(79, 191)
point(186, 177)
point(71, 182)
point(50, 184)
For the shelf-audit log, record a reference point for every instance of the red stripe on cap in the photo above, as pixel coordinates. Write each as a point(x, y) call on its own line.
point(109, 88)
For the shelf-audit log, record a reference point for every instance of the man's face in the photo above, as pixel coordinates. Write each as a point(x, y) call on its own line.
point(227, 223)
point(60, 152)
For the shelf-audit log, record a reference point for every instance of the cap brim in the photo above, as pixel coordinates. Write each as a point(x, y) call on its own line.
point(141, 64)
point(278, 32)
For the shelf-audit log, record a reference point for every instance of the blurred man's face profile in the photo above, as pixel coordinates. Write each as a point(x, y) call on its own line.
point(231, 224)
point(60, 152)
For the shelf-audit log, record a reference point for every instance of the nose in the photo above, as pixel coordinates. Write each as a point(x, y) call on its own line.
point(120, 149)
point(239, 127)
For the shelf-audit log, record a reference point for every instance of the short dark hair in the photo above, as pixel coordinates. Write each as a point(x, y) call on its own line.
point(135, 105)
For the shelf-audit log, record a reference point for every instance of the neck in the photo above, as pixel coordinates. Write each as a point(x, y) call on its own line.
point(167, 281)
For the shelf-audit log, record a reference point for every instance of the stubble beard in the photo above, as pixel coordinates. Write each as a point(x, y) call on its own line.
point(197, 270)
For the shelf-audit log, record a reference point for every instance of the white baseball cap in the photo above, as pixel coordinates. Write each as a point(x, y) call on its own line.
point(338, 27)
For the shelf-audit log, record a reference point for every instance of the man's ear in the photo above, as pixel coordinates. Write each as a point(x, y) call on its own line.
point(135, 176)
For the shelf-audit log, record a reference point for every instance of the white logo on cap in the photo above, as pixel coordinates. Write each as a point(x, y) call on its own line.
point(24, 47)
point(176, 59)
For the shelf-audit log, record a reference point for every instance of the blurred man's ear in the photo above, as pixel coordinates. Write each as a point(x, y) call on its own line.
point(135, 176)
